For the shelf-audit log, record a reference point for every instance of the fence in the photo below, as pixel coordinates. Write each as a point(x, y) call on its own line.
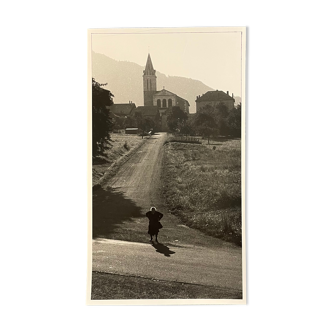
point(185, 139)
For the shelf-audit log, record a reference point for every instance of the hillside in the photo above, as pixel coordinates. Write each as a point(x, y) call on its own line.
point(126, 83)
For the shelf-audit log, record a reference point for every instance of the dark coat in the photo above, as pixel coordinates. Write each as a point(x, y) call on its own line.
point(154, 224)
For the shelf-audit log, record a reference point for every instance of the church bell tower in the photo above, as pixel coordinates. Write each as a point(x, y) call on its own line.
point(149, 82)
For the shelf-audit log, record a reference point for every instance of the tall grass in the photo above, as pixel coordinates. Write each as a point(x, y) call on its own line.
point(203, 187)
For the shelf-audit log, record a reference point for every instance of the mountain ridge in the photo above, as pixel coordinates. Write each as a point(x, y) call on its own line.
point(125, 81)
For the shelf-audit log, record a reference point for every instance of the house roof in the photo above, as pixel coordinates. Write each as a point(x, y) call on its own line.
point(112, 115)
point(147, 110)
point(214, 96)
point(122, 109)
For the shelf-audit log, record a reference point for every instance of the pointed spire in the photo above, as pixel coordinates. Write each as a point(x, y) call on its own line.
point(149, 67)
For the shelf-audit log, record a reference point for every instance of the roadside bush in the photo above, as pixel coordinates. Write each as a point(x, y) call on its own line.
point(126, 146)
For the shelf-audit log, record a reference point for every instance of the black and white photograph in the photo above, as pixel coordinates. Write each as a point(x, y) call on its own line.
point(167, 135)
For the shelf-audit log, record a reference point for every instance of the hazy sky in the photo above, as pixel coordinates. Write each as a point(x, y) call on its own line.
point(213, 58)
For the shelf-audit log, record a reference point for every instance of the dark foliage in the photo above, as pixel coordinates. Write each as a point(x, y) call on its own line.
point(102, 124)
point(176, 119)
point(205, 125)
point(143, 124)
point(227, 122)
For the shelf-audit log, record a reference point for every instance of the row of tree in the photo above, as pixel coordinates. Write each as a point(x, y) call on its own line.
point(207, 122)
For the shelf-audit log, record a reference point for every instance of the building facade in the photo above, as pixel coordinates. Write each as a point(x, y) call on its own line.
point(165, 99)
point(213, 99)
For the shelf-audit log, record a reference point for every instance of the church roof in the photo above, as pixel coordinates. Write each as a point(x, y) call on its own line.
point(149, 67)
point(214, 96)
point(165, 92)
point(122, 109)
point(185, 101)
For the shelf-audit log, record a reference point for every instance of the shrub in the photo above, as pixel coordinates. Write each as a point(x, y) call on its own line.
point(126, 146)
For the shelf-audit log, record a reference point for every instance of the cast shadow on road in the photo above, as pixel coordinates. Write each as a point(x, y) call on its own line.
point(162, 249)
point(110, 208)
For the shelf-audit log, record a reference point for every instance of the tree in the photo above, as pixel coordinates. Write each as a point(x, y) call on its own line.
point(176, 119)
point(234, 121)
point(139, 122)
point(129, 122)
point(119, 123)
point(102, 124)
point(187, 129)
point(222, 110)
point(205, 125)
point(149, 124)
point(221, 115)
point(227, 122)
point(144, 124)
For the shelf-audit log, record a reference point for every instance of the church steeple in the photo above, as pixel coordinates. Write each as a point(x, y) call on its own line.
point(149, 67)
point(149, 82)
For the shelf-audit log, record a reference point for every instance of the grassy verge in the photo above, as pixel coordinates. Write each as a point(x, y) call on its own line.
point(107, 286)
point(122, 145)
point(202, 186)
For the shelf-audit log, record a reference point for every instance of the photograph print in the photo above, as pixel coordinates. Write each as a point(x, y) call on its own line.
point(166, 160)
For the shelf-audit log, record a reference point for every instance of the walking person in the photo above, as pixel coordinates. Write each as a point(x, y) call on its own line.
point(154, 222)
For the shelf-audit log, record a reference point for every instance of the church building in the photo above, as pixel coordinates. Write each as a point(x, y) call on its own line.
point(159, 101)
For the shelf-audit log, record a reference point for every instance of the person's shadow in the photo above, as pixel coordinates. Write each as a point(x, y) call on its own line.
point(162, 249)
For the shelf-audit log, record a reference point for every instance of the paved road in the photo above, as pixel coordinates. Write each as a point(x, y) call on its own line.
point(191, 264)
point(122, 204)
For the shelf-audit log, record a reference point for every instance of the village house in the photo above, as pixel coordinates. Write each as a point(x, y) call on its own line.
point(214, 98)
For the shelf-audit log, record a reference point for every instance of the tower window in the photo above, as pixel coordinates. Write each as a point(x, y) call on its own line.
point(159, 103)
point(164, 103)
point(169, 102)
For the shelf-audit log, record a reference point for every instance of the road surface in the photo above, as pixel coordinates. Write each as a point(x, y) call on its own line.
point(184, 254)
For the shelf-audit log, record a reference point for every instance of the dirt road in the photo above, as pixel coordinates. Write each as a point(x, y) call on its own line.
point(119, 209)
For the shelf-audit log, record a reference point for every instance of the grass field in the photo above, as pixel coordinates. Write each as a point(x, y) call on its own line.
point(107, 286)
point(120, 146)
point(202, 186)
